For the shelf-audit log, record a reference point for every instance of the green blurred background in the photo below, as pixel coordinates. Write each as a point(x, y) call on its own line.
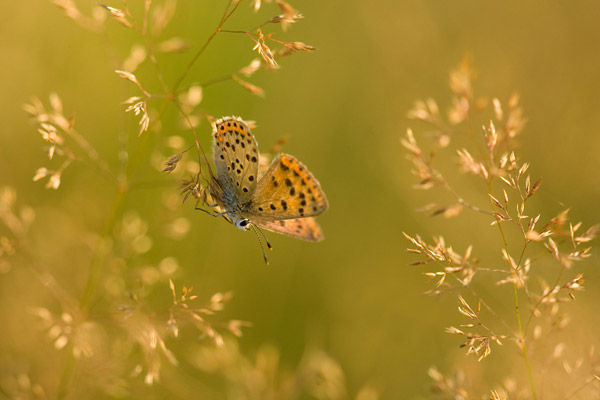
point(344, 108)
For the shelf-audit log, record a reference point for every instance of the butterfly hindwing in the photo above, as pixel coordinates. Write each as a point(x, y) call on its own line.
point(299, 228)
point(236, 158)
point(287, 190)
point(284, 200)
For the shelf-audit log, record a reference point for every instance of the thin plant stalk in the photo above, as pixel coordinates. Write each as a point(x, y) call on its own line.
point(517, 311)
point(98, 258)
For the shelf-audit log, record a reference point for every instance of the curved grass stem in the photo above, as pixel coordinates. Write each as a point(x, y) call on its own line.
point(170, 96)
point(228, 12)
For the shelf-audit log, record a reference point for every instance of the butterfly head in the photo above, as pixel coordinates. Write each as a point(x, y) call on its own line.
point(241, 223)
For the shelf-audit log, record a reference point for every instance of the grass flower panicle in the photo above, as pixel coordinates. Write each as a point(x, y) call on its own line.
point(492, 159)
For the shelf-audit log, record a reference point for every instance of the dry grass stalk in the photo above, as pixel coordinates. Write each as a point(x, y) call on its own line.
point(255, 90)
point(494, 162)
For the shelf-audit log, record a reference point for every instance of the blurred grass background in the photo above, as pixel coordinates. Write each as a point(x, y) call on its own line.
point(344, 107)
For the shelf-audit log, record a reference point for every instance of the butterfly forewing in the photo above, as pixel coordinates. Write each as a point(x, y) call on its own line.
point(236, 158)
point(287, 190)
point(299, 228)
point(283, 200)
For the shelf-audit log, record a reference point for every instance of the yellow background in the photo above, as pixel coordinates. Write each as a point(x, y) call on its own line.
point(344, 107)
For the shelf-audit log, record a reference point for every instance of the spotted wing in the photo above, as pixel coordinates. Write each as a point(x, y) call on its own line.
point(236, 158)
point(287, 190)
point(299, 228)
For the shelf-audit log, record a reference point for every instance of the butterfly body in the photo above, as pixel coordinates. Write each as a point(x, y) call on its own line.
point(285, 199)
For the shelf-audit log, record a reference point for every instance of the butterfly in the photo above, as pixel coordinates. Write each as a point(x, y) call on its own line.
point(285, 199)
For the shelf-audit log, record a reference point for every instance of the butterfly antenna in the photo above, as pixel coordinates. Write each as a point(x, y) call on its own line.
point(265, 237)
point(256, 230)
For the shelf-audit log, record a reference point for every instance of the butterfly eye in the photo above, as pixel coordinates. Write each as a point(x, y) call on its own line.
point(242, 224)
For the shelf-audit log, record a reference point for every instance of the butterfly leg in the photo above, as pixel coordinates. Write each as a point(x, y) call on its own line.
point(211, 214)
